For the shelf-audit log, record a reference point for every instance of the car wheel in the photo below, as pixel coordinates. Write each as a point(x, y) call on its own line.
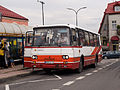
point(105, 57)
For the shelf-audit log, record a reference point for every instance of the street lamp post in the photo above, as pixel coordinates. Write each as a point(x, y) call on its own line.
point(42, 11)
point(76, 13)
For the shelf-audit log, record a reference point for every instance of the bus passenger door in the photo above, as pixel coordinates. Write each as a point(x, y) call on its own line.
point(75, 43)
point(28, 43)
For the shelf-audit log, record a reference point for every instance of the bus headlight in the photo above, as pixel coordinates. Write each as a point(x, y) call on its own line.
point(34, 57)
point(65, 57)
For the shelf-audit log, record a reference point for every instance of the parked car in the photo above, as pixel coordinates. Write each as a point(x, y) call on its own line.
point(111, 54)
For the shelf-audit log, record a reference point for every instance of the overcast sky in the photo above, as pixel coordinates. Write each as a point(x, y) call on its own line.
point(56, 12)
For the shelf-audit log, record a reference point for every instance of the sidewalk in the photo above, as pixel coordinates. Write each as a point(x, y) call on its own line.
point(18, 70)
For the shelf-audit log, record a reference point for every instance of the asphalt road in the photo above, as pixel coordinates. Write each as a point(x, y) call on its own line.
point(106, 76)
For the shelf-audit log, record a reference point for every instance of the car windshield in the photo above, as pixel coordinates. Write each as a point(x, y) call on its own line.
point(109, 52)
point(51, 37)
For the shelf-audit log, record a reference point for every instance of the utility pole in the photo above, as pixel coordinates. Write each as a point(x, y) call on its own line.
point(76, 13)
point(43, 20)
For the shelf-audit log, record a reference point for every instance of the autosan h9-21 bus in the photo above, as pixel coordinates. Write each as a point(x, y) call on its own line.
point(61, 47)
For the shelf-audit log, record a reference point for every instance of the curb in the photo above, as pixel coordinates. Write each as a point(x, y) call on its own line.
point(19, 76)
point(15, 77)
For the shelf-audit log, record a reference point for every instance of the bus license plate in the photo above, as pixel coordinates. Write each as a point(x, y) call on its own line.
point(49, 62)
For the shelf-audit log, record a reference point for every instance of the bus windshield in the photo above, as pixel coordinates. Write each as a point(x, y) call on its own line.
point(51, 37)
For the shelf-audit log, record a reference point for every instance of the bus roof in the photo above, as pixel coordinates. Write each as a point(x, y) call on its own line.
point(63, 25)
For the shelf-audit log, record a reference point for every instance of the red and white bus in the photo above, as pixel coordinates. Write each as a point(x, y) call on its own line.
point(61, 47)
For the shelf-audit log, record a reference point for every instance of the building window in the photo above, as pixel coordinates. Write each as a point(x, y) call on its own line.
point(104, 41)
point(114, 25)
point(117, 8)
point(105, 27)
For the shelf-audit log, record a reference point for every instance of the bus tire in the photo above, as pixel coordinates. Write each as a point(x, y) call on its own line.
point(33, 69)
point(80, 68)
point(47, 70)
point(96, 61)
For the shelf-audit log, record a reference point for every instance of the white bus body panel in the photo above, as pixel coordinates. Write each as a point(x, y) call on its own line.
point(71, 52)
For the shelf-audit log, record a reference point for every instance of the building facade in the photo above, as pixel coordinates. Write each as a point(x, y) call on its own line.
point(109, 27)
point(9, 16)
point(13, 28)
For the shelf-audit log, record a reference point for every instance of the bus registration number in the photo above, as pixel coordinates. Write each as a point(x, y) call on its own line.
point(49, 62)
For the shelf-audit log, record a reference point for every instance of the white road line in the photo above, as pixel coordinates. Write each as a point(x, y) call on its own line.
point(43, 80)
point(34, 81)
point(88, 74)
point(100, 68)
point(80, 78)
point(7, 87)
point(95, 71)
point(55, 89)
point(108, 65)
point(58, 76)
point(68, 83)
point(104, 66)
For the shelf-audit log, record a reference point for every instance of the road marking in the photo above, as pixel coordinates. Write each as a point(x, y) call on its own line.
point(68, 83)
point(88, 74)
point(100, 68)
point(80, 78)
point(34, 81)
point(95, 71)
point(108, 65)
point(58, 76)
point(7, 87)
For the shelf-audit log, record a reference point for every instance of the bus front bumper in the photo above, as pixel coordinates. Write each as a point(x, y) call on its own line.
point(52, 65)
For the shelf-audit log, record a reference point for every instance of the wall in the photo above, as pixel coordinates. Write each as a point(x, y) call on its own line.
point(111, 31)
point(12, 20)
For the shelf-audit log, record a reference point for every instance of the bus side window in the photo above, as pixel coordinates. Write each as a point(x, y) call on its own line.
point(91, 39)
point(86, 39)
point(95, 40)
point(74, 37)
point(98, 43)
point(82, 37)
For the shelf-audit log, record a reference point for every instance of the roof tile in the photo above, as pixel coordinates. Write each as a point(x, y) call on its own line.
point(8, 13)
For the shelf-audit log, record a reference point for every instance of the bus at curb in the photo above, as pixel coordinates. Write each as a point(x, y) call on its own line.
point(61, 47)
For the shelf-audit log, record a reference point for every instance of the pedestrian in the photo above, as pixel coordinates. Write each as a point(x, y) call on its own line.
point(11, 60)
point(7, 55)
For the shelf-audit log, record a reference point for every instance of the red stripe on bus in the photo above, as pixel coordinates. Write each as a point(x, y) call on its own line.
point(95, 51)
point(99, 49)
point(55, 47)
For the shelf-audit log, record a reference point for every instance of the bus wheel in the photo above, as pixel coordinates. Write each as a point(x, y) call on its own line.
point(47, 70)
point(95, 64)
point(80, 68)
point(33, 69)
